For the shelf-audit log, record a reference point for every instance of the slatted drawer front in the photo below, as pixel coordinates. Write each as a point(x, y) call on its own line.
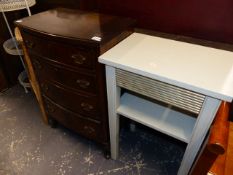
point(178, 97)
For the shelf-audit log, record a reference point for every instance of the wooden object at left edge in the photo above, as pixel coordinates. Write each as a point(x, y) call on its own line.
point(31, 75)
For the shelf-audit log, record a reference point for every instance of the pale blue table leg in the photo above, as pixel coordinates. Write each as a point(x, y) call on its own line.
point(113, 102)
point(203, 123)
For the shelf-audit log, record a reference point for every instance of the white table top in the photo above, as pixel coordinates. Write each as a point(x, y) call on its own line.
point(201, 69)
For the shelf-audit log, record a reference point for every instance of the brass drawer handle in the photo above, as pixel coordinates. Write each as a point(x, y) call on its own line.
point(37, 64)
point(50, 108)
point(87, 107)
point(45, 87)
point(55, 69)
point(83, 83)
point(78, 58)
point(89, 129)
point(29, 44)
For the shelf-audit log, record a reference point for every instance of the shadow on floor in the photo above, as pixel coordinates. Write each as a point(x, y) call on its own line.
point(29, 147)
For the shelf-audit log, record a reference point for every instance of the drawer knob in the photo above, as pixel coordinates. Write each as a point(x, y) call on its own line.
point(89, 129)
point(29, 44)
point(45, 87)
point(83, 83)
point(37, 64)
point(50, 108)
point(55, 69)
point(87, 107)
point(78, 58)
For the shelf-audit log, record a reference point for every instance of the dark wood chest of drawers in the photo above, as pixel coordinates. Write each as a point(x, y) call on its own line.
point(64, 46)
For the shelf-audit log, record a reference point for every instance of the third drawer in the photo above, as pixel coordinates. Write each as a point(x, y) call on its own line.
point(75, 102)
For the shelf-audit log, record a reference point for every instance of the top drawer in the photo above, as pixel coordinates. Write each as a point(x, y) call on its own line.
point(71, 55)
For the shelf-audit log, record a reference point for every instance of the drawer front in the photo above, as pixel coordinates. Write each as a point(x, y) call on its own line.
point(73, 121)
point(77, 56)
point(69, 78)
point(85, 105)
point(170, 94)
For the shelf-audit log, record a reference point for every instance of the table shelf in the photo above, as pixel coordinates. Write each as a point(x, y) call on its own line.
point(162, 118)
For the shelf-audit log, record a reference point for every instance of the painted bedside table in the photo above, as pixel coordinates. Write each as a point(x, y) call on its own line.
point(179, 76)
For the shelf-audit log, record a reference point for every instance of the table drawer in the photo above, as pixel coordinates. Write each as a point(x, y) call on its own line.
point(173, 95)
point(77, 103)
point(66, 77)
point(78, 56)
point(74, 121)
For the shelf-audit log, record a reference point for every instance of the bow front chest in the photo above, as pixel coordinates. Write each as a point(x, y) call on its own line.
point(63, 46)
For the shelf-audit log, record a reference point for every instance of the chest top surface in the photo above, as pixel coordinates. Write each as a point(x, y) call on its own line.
point(82, 25)
point(201, 69)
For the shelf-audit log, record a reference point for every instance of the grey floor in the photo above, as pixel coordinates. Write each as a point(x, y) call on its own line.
point(29, 147)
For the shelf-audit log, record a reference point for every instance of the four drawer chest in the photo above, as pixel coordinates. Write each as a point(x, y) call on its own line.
point(63, 46)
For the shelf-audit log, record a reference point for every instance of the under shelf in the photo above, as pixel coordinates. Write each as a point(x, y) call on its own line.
point(158, 117)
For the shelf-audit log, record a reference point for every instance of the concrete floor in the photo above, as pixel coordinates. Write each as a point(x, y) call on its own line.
point(29, 147)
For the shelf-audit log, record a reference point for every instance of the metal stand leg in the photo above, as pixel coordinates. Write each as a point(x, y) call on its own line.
point(28, 9)
point(14, 40)
point(12, 36)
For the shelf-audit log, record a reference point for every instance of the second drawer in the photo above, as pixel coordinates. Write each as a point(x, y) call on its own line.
point(85, 105)
point(66, 77)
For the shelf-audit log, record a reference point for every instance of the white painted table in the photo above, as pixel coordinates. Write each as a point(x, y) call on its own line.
point(188, 76)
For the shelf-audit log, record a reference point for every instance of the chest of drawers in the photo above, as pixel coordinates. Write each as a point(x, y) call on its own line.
point(63, 46)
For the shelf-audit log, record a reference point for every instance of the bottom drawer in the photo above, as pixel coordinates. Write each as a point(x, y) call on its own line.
point(88, 128)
